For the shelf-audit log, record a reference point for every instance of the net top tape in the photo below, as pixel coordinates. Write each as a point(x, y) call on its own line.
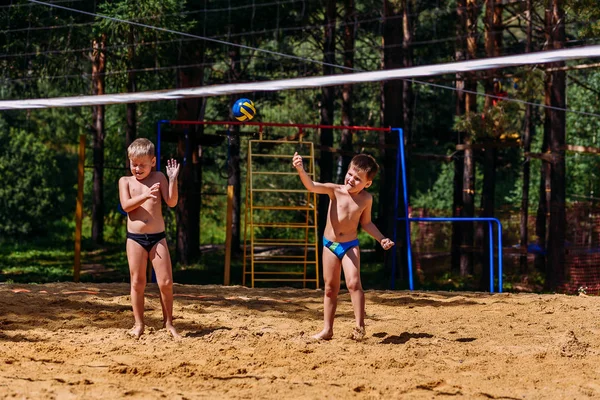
point(308, 82)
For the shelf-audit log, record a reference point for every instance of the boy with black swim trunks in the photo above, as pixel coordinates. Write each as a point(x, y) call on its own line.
point(140, 196)
point(349, 206)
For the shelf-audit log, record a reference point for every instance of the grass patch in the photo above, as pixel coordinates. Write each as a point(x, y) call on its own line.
point(45, 261)
point(42, 261)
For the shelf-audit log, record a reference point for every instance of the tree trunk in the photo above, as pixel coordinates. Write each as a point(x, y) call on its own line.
point(493, 45)
point(457, 204)
point(346, 140)
point(555, 275)
point(407, 62)
point(233, 162)
point(98, 73)
point(131, 129)
point(541, 221)
point(542, 217)
point(468, 198)
point(528, 133)
point(392, 116)
point(234, 179)
point(327, 105)
point(187, 212)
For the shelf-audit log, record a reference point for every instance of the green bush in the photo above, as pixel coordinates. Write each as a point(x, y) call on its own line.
point(37, 184)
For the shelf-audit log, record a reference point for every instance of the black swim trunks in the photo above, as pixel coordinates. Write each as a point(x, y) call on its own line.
point(146, 240)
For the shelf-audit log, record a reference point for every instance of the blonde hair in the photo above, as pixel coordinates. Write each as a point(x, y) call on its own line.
point(141, 147)
point(366, 164)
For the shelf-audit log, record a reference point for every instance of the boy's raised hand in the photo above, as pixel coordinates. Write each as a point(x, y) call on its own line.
point(297, 161)
point(386, 243)
point(172, 169)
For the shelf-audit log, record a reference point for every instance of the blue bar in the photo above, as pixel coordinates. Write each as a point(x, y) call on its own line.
point(499, 255)
point(401, 170)
point(405, 194)
point(491, 236)
point(394, 234)
point(471, 219)
point(158, 144)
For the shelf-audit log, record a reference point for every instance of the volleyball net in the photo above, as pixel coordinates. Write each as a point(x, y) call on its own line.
point(544, 57)
point(275, 66)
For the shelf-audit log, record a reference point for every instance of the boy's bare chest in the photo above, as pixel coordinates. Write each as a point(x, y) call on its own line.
point(348, 206)
point(137, 188)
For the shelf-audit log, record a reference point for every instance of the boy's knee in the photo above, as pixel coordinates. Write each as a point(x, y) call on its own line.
point(330, 291)
point(138, 284)
point(165, 284)
point(354, 285)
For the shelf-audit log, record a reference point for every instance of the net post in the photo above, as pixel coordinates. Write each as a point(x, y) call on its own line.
point(158, 140)
point(401, 172)
point(79, 209)
point(229, 219)
point(499, 254)
point(491, 244)
point(395, 229)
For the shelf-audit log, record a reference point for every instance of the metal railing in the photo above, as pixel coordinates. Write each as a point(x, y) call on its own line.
point(401, 174)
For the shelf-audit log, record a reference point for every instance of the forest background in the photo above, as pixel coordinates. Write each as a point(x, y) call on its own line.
point(472, 149)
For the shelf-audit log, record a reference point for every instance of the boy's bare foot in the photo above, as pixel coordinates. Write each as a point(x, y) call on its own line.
point(171, 329)
point(136, 331)
point(323, 335)
point(358, 333)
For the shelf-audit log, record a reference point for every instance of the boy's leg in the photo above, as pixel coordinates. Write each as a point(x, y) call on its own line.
point(137, 258)
point(331, 276)
point(351, 266)
point(161, 261)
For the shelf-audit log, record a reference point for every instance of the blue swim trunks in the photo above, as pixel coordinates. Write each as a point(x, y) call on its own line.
point(339, 249)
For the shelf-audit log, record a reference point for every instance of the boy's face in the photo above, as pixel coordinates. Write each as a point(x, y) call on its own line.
point(356, 180)
point(141, 166)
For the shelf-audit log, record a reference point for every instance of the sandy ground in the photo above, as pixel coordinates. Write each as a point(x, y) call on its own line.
point(68, 341)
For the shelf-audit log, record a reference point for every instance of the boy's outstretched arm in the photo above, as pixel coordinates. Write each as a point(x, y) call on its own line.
point(309, 184)
point(371, 229)
point(172, 195)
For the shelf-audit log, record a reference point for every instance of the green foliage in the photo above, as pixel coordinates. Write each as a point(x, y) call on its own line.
point(582, 168)
point(439, 195)
point(38, 187)
point(489, 124)
point(133, 46)
point(588, 17)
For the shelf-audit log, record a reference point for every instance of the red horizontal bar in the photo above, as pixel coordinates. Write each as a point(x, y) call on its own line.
point(306, 126)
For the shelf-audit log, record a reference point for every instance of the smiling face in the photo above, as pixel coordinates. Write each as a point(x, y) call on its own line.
point(141, 166)
point(356, 180)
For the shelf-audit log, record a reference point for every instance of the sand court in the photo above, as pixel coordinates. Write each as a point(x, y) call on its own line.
point(69, 340)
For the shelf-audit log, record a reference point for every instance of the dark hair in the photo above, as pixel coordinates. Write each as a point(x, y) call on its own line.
point(366, 164)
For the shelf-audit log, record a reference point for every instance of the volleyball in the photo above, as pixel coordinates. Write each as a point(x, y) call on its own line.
point(244, 110)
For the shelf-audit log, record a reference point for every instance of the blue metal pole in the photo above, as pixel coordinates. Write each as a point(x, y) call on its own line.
point(491, 236)
point(499, 255)
point(158, 144)
point(458, 219)
point(405, 194)
point(395, 230)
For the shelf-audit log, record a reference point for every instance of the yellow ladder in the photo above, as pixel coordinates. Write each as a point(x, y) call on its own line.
point(280, 230)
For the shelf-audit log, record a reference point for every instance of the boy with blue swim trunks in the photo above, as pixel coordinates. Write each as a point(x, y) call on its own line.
point(350, 205)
